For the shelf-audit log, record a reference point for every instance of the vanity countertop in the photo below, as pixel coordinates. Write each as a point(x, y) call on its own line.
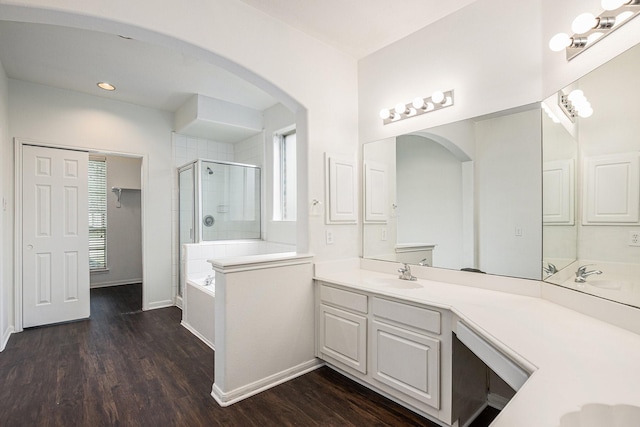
point(577, 359)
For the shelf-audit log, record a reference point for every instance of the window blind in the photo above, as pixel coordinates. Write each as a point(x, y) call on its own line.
point(97, 214)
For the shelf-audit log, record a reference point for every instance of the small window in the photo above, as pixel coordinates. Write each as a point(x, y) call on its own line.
point(97, 214)
point(284, 176)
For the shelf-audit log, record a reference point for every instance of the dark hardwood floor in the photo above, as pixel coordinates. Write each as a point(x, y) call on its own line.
point(125, 367)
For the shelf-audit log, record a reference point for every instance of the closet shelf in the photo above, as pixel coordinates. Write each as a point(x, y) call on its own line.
point(119, 190)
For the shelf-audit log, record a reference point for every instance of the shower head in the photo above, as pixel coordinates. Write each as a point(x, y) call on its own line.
point(209, 171)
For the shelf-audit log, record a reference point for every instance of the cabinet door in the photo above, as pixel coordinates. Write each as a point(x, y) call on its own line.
point(407, 362)
point(343, 337)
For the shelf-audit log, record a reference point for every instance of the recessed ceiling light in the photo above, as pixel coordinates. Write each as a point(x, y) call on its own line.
point(106, 86)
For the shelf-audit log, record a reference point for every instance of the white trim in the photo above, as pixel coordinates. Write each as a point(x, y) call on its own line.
point(178, 301)
point(5, 337)
point(116, 283)
point(158, 304)
point(226, 399)
point(193, 330)
point(259, 262)
point(496, 401)
point(17, 245)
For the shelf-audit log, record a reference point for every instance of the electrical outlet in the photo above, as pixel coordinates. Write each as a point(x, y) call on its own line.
point(634, 238)
point(518, 231)
point(329, 237)
point(383, 235)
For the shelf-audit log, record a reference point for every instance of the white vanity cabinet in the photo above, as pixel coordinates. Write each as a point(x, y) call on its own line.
point(405, 349)
point(398, 348)
point(342, 328)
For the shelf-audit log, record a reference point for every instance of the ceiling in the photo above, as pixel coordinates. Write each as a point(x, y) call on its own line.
point(358, 27)
point(164, 79)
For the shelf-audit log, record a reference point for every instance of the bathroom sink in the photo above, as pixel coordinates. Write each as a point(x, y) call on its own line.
point(617, 285)
point(394, 283)
point(599, 415)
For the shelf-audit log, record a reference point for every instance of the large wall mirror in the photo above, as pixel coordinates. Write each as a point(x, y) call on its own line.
point(465, 195)
point(591, 179)
point(528, 193)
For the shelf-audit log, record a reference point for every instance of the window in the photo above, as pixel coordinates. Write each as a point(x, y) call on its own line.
point(284, 176)
point(97, 213)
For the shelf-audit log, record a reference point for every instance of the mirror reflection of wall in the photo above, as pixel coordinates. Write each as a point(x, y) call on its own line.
point(606, 151)
point(469, 190)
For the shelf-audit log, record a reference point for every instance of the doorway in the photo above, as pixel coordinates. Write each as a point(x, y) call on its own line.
point(56, 274)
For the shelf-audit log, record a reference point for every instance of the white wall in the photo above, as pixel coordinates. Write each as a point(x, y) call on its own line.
point(429, 188)
point(69, 118)
point(6, 215)
point(508, 194)
point(251, 150)
point(124, 225)
point(482, 52)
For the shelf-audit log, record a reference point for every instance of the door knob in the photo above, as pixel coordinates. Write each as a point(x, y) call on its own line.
point(29, 247)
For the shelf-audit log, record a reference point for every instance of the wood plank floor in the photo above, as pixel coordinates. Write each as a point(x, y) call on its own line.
point(125, 367)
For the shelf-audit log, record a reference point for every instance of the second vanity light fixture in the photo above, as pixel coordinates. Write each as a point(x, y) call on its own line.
point(437, 101)
point(589, 29)
point(575, 104)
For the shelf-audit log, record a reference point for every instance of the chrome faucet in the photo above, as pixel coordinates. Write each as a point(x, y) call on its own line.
point(423, 262)
point(208, 280)
point(550, 269)
point(405, 273)
point(582, 273)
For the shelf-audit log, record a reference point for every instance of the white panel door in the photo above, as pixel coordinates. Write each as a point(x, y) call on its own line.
point(376, 193)
point(55, 236)
point(342, 206)
point(612, 189)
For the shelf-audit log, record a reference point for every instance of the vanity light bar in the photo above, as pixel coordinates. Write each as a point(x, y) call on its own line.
point(437, 101)
point(589, 29)
point(574, 104)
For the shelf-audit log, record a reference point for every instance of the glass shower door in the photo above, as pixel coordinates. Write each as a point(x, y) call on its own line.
point(186, 214)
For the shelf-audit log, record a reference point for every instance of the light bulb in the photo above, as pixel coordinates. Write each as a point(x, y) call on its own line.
point(583, 23)
point(559, 42)
point(613, 4)
point(429, 106)
point(418, 103)
point(437, 97)
point(585, 112)
point(385, 114)
point(401, 108)
point(575, 95)
point(623, 17)
point(448, 101)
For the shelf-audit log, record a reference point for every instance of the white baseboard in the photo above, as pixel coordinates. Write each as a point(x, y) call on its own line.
point(115, 283)
point(178, 301)
point(5, 337)
point(226, 399)
point(158, 304)
point(497, 401)
point(190, 328)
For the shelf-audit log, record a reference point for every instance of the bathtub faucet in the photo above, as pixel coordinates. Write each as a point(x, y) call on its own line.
point(209, 280)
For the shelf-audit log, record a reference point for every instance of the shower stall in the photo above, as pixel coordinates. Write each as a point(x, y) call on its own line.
point(218, 201)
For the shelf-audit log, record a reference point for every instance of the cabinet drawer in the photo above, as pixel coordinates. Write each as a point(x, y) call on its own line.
point(345, 299)
point(417, 317)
